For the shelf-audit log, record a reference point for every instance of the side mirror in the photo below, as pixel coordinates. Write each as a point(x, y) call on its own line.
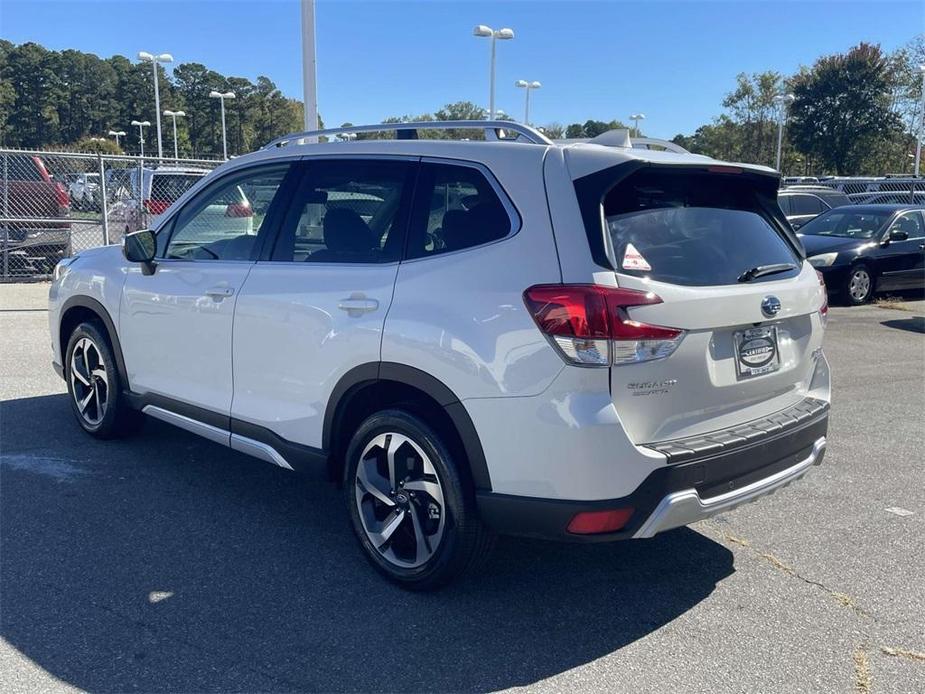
point(898, 235)
point(140, 247)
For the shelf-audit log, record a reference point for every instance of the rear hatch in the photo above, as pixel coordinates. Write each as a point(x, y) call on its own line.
point(710, 243)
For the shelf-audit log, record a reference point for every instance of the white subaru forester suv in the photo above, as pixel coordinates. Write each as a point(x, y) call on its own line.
point(580, 342)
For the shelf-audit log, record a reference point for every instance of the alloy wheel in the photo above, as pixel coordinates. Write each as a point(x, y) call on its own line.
point(400, 500)
point(859, 285)
point(89, 381)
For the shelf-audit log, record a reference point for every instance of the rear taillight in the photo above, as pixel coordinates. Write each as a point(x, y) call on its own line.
point(590, 326)
point(824, 309)
point(156, 207)
point(239, 209)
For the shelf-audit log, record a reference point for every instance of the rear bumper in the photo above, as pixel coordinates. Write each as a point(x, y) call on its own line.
point(704, 476)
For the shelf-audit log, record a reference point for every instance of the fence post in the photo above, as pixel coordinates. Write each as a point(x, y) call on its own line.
point(6, 213)
point(103, 203)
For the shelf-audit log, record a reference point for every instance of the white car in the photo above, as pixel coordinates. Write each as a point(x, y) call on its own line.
point(578, 342)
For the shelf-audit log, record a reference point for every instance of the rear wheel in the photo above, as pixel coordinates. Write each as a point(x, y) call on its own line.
point(859, 287)
point(94, 386)
point(411, 508)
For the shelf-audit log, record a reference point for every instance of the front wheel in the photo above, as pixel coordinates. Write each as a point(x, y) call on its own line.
point(94, 386)
point(859, 287)
point(411, 508)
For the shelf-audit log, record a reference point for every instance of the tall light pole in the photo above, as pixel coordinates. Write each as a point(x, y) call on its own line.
point(636, 117)
point(784, 100)
point(175, 115)
point(117, 134)
point(221, 96)
point(527, 86)
point(483, 31)
point(918, 140)
point(155, 59)
point(309, 84)
point(142, 124)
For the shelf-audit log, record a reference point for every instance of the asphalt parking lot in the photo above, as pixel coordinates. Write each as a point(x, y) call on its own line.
point(168, 563)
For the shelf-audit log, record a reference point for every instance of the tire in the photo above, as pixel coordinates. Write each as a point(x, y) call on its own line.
point(94, 388)
point(859, 286)
point(418, 527)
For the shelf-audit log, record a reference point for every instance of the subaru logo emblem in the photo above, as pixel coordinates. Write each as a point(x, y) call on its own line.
point(770, 306)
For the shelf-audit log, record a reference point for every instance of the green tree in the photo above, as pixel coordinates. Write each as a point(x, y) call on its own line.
point(842, 109)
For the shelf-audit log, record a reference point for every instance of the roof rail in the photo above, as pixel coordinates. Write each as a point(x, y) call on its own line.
point(493, 129)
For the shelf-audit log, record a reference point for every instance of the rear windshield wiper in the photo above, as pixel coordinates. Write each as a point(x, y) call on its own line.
point(762, 270)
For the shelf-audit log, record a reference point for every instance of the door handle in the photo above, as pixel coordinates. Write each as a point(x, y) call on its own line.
point(219, 293)
point(357, 305)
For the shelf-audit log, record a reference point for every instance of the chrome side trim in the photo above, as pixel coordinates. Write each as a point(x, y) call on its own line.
point(686, 506)
point(206, 431)
point(258, 450)
point(236, 442)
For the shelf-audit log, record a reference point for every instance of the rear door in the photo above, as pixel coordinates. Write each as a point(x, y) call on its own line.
point(804, 207)
point(701, 242)
point(314, 306)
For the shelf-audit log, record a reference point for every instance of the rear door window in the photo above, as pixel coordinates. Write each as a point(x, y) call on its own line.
point(692, 228)
point(784, 202)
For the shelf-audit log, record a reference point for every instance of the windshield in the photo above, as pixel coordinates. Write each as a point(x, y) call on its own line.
point(847, 224)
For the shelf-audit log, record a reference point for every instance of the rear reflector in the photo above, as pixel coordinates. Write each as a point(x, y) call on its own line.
point(593, 522)
point(589, 325)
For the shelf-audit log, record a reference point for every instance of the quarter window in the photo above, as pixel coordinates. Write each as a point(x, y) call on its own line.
point(461, 209)
point(223, 222)
point(347, 211)
point(807, 204)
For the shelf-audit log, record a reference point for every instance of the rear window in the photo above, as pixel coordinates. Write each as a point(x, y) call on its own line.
point(692, 228)
point(169, 187)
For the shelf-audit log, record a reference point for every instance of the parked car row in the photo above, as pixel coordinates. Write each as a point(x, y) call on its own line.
point(862, 243)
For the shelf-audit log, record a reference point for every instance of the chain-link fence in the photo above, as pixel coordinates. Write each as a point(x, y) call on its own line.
point(55, 204)
point(899, 190)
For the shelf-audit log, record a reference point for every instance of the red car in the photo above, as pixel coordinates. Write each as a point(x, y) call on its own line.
point(27, 192)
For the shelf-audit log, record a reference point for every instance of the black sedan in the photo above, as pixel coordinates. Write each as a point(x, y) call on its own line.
point(865, 249)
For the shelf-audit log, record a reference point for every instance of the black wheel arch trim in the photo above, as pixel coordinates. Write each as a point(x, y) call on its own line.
point(377, 372)
point(96, 307)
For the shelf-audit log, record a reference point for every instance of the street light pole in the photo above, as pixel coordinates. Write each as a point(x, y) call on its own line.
point(117, 134)
point(636, 117)
point(784, 100)
point(174, 115)
point(309, 86)
point(918, 140)
point(527, 86)
point(483, 31)
point(221, 96)
point(142, 124)
point(155, 59)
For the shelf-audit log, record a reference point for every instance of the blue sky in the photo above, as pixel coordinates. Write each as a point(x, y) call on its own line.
point(673, 61)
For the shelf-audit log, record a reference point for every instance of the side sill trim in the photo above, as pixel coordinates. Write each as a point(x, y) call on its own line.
point(202, 429)
point(258, 450)
point(685, 507)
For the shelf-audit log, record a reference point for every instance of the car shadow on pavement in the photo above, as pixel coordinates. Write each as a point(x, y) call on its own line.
point(915, 324)
point(167, 563)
